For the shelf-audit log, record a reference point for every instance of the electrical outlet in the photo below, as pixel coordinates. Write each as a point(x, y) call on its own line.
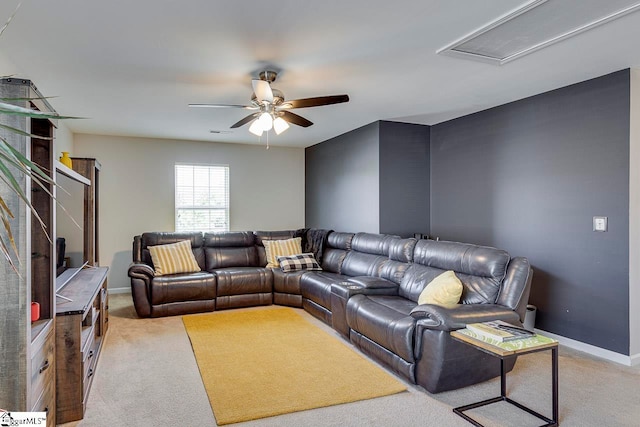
point(600, 223)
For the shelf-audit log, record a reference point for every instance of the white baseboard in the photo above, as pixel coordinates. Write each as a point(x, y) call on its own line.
point(593, 350)
point(119, 290)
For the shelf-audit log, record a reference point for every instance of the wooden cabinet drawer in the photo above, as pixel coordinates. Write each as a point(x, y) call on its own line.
point(105, 310)
point(47, 403)
point(43, 366)
point(88, 352)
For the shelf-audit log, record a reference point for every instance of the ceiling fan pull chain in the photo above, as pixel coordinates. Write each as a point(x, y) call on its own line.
point(267, 140)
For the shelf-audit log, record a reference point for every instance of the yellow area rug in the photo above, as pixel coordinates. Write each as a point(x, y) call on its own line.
point(265, 362)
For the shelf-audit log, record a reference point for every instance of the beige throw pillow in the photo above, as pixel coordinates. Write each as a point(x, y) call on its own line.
point(276, 248)
point(173, 258)
point(446, 289)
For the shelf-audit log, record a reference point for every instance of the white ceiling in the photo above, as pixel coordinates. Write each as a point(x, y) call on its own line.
point(132, 66)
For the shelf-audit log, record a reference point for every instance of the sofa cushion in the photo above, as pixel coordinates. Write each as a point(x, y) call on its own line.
point(182, 287)
point(481, 269)
point(368, 254)
point(385, 320)
point(155, 238)
point(276, 248)
point(243, 280)
point(298, 262)
point(339, 240)
point(401, 250)
point(287, 283)
point(445, 289)
point(230, 257)
point(227, 239)
point(173, 258)
point(370, 243)
point(316, 286)
point(261, 236)
point(230, 249)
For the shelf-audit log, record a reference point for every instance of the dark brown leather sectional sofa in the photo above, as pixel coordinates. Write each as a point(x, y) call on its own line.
point(367, 291)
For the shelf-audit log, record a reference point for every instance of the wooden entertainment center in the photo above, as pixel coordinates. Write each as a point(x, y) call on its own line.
point(82, 308)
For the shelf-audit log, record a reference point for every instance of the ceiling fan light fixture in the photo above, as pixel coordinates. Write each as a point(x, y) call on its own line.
point(256, 128)
point(266, 121)
point(280, 125)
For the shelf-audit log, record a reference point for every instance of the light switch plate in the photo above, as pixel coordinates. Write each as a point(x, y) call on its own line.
point(600, 223)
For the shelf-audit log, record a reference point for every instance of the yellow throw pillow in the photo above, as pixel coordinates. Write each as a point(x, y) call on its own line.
point(446, 289)
point(173, 258)
point(276, 248)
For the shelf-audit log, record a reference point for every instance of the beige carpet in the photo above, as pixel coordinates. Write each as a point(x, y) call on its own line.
point(147, 376)
point(257, 364)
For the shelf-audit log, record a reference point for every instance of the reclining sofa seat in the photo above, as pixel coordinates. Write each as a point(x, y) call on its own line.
point(413, 340)
point(313, 287)
point(242, 281)
point(358, 257)
point(172, 294)
point(286, 286)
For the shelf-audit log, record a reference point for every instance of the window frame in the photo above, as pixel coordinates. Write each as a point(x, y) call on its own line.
point(194, 207)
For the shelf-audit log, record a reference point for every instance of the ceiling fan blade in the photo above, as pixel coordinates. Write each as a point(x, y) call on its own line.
point(245, 107)
point(246, 120)
point(315, 102)
point(262, 90)
point(296, 119)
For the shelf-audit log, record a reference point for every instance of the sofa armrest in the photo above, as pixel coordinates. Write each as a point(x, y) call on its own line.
point(450, 318)
point(370, 285)
point(342, 291)
point(141, 276)
point(141, 271)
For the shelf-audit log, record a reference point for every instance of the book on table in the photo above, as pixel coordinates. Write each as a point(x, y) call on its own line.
point(500, 331)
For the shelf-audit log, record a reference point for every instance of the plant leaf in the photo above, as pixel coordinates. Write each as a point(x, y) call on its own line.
point(7, 176)
point(37, 98)
point(7, 227)
point(6, 24)
point(7, 255)
point(15, 110)
point(23, 133)
point(23, 163)
point(5, 208)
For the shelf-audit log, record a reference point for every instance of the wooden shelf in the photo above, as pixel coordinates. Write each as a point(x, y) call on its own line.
point(71, 173)
point(37, 327)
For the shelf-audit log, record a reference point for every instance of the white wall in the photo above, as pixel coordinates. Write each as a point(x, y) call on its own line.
point(64, 138)
point(634, 219)
point(7, 68)
point(137, 188)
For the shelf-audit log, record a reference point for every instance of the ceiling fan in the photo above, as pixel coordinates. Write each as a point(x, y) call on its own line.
point(272, 110)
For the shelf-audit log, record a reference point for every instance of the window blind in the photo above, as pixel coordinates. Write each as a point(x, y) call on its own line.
point(202, 198)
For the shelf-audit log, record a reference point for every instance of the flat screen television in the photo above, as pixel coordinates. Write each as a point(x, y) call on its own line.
point(63, 279)
point(69, 223)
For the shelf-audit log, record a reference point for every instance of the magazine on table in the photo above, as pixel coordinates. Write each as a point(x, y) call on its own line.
point(500, 330)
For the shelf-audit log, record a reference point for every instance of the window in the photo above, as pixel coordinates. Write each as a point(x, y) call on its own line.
point(202, 198)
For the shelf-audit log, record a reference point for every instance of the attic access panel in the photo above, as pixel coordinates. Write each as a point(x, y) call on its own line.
point(536, 24)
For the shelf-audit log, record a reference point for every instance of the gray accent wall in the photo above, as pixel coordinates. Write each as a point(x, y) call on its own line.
point(341, 182)
point(528, 177)
point(404, 178)
point(373, 179)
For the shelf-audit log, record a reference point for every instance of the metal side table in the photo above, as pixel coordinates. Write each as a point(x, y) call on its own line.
point(502, 351)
